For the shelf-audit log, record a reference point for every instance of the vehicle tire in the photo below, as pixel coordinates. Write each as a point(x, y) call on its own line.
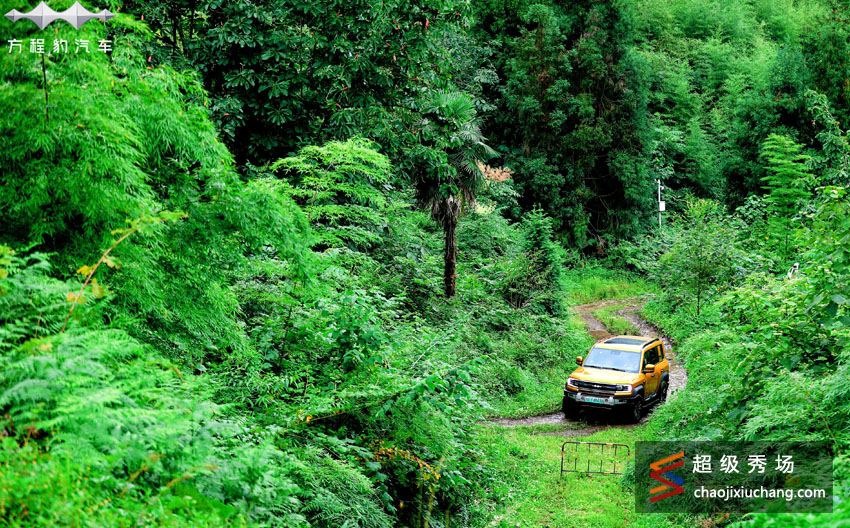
point(570, 409)
point(662, 391)
point(636, 410)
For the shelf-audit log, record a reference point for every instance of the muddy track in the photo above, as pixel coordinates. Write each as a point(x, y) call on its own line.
point(599, 421)
point(678, 374)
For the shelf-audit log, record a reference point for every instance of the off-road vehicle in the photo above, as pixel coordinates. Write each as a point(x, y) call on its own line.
point(619, 373)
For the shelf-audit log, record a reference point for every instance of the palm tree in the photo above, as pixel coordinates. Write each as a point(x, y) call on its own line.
point(449, 153)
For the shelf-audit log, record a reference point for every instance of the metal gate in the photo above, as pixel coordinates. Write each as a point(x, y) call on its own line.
point(572, 452)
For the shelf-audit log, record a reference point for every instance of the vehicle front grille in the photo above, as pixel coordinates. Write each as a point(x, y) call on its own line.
point(597, 388)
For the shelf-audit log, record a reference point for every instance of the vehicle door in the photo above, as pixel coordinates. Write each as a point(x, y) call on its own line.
point(663, 364)
point(650, 357)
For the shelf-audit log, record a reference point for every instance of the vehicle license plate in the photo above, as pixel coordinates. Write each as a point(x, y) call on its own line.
point(594, 399)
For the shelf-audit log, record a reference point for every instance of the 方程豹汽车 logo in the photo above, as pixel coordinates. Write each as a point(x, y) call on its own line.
point(661, 471)
point(43, 15)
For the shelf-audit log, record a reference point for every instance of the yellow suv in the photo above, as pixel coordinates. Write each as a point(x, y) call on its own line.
point(620, 372)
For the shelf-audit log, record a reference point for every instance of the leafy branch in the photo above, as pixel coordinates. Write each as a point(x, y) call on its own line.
point(142, 224)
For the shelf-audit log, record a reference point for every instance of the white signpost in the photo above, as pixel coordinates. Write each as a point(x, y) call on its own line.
point(662, 205)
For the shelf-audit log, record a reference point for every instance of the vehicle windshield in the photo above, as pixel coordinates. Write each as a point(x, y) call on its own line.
point(608, 358)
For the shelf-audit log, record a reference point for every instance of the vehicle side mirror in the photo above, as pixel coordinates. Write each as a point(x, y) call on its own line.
point(649, 368)
point(579, 360)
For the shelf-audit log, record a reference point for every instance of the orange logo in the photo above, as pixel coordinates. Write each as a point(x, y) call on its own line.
point(670, 481)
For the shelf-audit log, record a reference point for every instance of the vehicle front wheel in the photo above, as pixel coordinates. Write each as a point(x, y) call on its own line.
point(662, 391)
point(636, 410)
point(570, 408)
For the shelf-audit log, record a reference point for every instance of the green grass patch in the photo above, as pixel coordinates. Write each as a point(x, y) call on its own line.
point(615, 323)
point(593, 283)
point(542, 395)
point(533, 492)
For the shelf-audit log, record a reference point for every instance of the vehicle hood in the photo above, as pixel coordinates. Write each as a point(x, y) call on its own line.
point(605, 375)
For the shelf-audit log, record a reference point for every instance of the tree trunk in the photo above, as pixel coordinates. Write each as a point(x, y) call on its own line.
point(450, 257)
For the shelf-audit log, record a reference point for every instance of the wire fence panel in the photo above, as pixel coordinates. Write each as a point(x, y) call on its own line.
point(594, 457)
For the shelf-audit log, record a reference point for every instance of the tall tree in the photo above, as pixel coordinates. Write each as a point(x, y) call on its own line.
point(787, 181)
point(570, 113)
point(449, 174)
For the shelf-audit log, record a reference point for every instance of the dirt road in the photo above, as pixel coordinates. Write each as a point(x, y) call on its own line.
point(592, 423)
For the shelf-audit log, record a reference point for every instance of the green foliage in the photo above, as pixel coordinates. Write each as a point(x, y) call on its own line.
point(569, 114)
point(827, 261)
point(340, 494)
point(279, 354)
point(539, 238)
point(535, 276)
point(255, 346)
point(723, 76)
point(47, 152)
point(787, 183)
point(141, 142)
point(536, 350)
point(833, 140)
point(356, 338)
point(41, 489)
point(21, 283)
point(341, 187)
point(282, 73)
point(768, 359)
point(526, 283)
point(698, 255)
point(96, 397)
point(452, 147)
point(825, 39)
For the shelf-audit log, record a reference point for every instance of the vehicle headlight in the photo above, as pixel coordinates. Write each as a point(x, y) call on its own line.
point(624, 388)
point(571, 382)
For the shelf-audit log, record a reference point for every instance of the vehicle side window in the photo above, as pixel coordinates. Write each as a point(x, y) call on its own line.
point(660, 353)
point(651, 356)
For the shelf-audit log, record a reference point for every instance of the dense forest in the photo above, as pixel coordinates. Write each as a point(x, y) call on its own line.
point(281, 262)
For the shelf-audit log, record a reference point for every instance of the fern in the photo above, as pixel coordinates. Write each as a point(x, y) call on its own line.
point(341, 187)
point(130, 414)
point(30, 303)
point(340, 495)
point(787, 183)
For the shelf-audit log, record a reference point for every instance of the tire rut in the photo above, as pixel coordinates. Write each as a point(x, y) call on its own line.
point(599, 421)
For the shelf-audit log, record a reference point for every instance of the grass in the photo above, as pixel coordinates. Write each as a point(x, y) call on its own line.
point(536, 494)
point(591, 284)
point(615, 324)
point(540, 381)
point(538, 398)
